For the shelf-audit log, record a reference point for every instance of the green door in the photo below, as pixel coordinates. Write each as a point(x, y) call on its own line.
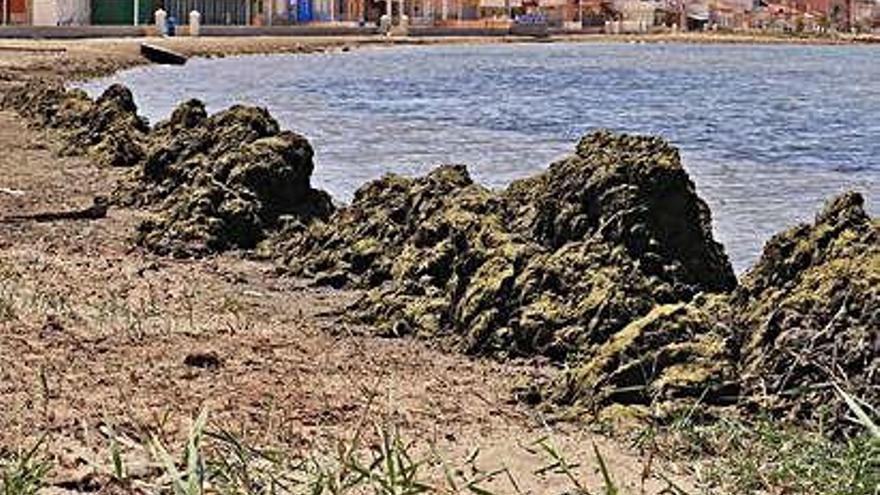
point(121, 12)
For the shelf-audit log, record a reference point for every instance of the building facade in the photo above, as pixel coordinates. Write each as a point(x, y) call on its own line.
point(624, 15)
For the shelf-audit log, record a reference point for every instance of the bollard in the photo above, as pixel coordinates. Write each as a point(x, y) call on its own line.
point(195, 23)
point(161, 18)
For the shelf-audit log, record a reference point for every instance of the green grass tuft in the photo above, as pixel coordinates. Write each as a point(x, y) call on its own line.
point(23, 473)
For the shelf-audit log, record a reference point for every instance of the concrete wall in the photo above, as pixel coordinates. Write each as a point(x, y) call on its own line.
point(39, 32)
point(301, 30)
point(457, 31)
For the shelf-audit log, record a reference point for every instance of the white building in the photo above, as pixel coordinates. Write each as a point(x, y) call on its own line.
point(637, 16)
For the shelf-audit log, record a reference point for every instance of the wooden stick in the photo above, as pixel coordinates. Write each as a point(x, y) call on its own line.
point(32, 49)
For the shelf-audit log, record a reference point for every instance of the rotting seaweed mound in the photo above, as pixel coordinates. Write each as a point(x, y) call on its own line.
point(812, 309)
point(606, 261)
point(213, 182)
point(805, 319)
point(107, 129)
point(551, 266)
point(222, 181)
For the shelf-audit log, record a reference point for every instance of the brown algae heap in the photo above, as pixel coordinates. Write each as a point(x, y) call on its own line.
point(218, 182)
point(107, 129)
point(551, 266)
point(222, 181)
point(605, 262)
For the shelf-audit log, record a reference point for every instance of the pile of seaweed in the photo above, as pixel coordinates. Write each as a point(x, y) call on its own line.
point(108, 129)
point(213, 183)
point(605, 262)
point(811, 308)
point(222, 181)
point(804, 321)
point(554, 265)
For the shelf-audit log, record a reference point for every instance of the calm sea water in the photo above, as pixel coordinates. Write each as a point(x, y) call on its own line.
point(768, 133)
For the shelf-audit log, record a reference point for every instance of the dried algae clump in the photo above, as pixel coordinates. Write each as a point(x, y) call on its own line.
point(555, 264)
point(676, 356)
point(113, 134)
point(629, 191)
point(806, 317)
point(812, 307)
point(221, 182)
point(108, 129)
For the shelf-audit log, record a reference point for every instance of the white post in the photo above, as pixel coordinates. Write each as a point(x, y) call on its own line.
point(444, 10)
point(136, 9)
point(388, 8)
point(161, 16)
point(332, 10)
point(5, 13)
point(400, 14)
point(195, 23)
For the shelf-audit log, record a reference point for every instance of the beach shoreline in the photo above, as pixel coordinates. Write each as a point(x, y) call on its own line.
point(80, 59)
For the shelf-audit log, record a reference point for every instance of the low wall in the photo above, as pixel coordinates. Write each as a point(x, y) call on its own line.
point(301, 30)
point(72, 32)
point(428, 31)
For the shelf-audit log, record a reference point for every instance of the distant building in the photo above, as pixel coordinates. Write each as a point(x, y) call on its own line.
point(121, 12)
point(636, 16)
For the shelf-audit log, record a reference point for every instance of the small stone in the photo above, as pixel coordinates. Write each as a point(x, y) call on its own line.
point(203, 360)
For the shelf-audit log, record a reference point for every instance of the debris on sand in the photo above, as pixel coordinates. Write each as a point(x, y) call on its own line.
point(203, 360)
point(96, 211)
point(552, 266)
